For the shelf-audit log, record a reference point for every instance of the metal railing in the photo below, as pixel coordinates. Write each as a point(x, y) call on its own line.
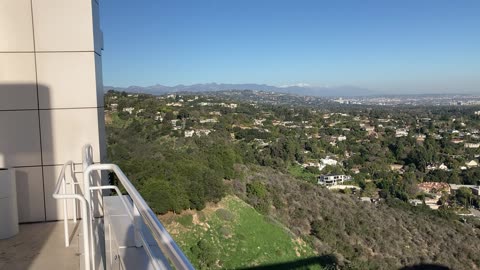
point(148, 217)
point(140, 214)
point(62, 184)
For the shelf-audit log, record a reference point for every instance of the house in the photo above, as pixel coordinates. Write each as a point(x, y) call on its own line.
point(217, 113)
point(457, 141)
point(432, 167)
point(314, 164)
point(341, 138)
point(472, 164)
point(329, 161)
point(189, 133)
point(231, 105)
point(443, 167)
point(434, 187)
point(415, 202)
point(401, 133)
point(175, 104)
point(420, 137)
point(259, 122)
point(355, 170)
point(210, 120)
point(202, 132)
point(129, 110)
point(396, 167)
point(475, 191)
point(472, 145)
point(333, 179)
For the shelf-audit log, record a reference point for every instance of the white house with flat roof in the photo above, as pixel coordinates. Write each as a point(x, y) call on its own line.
point(333, 179)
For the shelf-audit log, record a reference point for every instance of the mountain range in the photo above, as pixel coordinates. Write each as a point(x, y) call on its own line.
point(301, 89)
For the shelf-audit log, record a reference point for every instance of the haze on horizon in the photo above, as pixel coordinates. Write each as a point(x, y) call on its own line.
point(430, 46)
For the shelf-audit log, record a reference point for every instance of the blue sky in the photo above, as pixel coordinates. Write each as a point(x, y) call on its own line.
point(388, 46)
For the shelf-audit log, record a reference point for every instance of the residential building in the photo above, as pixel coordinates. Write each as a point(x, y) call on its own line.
point(434, 187)
point(396, 167)
point(401, 133)
point(472, 145)
point(189, 133)
point(443, 167)
point(129, 110)
point(210, 120)
point(457, 140)
point(329, 161)
point(202, 132)
point(472, 164)
point(333, 179)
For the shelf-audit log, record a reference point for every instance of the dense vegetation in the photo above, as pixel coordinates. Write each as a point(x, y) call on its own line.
point(172, 175)
point(261, 164)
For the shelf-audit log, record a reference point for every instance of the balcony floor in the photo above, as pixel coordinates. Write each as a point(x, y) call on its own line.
point(41, 246)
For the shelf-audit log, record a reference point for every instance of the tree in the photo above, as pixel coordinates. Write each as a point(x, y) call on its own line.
point(205, 254)
point(463, 196)
point(169, 116)
point(370, 190)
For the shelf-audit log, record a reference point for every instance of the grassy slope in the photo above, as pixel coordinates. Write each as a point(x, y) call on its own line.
point(299, 172)
point(243, 239)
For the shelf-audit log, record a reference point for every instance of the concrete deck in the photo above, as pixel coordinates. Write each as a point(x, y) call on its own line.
point(41, 246)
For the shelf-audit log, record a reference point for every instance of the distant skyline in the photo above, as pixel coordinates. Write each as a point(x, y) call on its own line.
point(412, 46)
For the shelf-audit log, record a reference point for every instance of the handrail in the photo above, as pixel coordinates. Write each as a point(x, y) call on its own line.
point(160, 234)
point(139, 238)
point(83, 205)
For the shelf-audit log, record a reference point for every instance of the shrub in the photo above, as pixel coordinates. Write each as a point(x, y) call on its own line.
point(224, 214)
point(185, 220)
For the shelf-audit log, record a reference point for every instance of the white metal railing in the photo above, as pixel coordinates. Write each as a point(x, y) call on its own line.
point(63, 195)
point(140, 214)
point(148, 217)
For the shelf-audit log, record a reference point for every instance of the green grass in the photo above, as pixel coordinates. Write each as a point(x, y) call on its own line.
point(299, 172)
point(238, 235)
point(185, 220)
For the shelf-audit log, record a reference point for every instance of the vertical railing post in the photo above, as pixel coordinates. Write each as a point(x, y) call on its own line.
point(137, 226)
point(89, 216)
point(74, 190)
point(87, 160)
point(62, 185)
point(88, 264)
point(65, 213)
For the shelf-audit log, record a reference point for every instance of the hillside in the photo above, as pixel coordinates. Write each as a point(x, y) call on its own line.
point(232, 235)
point(187, 152)
point(360, 235)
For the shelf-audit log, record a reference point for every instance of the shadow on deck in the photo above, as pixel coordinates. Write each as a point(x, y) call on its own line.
point(41, 246)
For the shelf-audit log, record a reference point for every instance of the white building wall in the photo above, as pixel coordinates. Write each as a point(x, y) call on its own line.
point(51, 95)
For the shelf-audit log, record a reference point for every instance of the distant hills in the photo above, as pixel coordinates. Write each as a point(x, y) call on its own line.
point(304, 90)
